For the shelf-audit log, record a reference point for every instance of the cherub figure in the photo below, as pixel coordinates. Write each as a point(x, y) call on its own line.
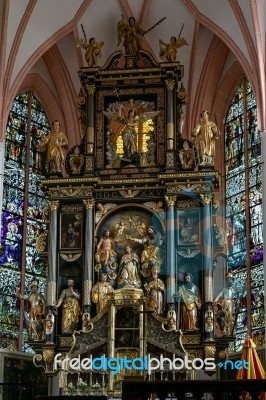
point(168, 51)
point(93, 51)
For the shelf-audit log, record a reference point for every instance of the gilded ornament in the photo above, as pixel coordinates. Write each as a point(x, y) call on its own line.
point(170, 201)
point(54, 205)
point(89, 203)
point(90, 89)
point(41, 241)
point(170, 84)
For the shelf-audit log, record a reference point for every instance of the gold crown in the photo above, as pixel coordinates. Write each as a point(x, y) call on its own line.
point(34, 283)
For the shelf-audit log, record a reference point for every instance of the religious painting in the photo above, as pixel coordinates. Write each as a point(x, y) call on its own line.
point(188, 228)
point(71, 231)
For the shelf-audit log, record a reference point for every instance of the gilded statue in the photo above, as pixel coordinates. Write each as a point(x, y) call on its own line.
point(168, 51)
point(128, 274)
point(105, 248)
point(54, 143)
point(69, 298)
point(190, 304)
point(155, 292)
point(205, 134)
point(131, 120)
point(101, 292)
point(130, 34)
point(36, 311)
point(93, 51)
point(224, 315)
point(150, 255)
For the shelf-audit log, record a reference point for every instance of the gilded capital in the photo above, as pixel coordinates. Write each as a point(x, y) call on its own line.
point(54, 205)
point(90, 89)
point(170, 84)
point(170, 201)
point(206, 198)
point(89, 203)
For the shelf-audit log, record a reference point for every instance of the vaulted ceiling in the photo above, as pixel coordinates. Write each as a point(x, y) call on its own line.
point(39, 51)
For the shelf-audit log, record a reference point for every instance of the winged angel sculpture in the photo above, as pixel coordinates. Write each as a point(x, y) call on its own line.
point(131, 115)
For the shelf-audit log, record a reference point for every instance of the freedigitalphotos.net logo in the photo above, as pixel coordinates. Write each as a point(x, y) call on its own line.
point(148, 364)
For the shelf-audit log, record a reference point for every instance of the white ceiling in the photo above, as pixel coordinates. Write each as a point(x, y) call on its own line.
point(34, 33)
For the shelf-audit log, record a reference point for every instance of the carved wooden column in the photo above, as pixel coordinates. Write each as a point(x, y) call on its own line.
point(90, 129)
point(170, 250)
point(88, 256)
point(170, 135)
point(52, 265)
point(208, 265)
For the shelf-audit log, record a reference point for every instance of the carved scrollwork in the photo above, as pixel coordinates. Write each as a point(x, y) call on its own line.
point(81, 191)
point(187, 204)
point(41, 242)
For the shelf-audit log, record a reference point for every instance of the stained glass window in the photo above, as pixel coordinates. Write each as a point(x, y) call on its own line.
point(24, 205)
point(244, 224)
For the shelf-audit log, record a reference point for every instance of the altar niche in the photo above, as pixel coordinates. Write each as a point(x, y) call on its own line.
point(131, 133)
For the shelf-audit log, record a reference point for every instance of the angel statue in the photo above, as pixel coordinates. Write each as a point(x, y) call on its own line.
point(168, 51)
point(132, 33)
point(93, 51)
point(131, 121)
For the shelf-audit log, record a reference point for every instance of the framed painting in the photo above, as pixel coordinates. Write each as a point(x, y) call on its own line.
point(71, 227)
point(188, 227)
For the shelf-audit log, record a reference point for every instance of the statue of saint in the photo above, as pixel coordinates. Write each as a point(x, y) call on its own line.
point(155, 292)
point(101, 292)
point(224, 315)
point(36, 311)
point(54, 142)
point(190, 301)
point(128, 270)
point(205, 134)
point(131, 34)
point(69, 298)
point(150, 256)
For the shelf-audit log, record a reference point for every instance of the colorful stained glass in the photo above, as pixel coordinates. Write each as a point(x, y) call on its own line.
point(27, 125)
point(241, 120)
